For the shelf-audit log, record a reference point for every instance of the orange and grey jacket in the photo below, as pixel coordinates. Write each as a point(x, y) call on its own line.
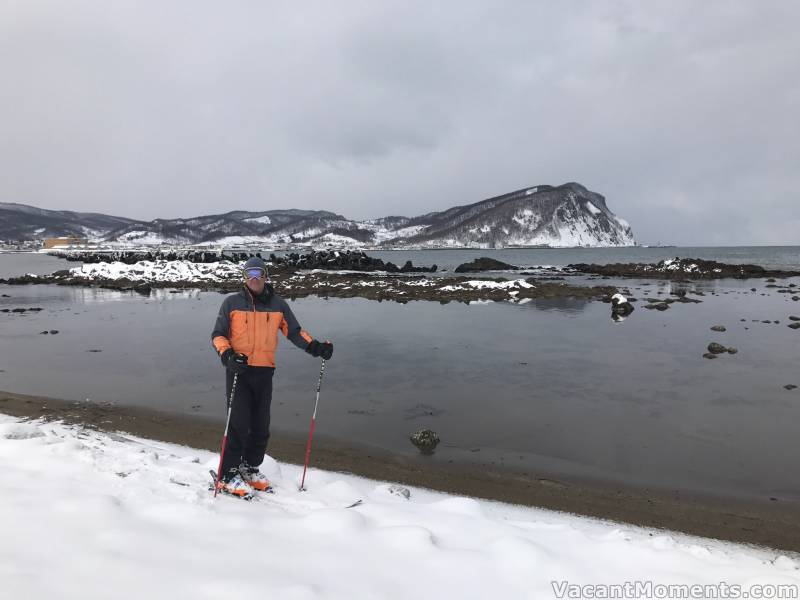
point(250, 324)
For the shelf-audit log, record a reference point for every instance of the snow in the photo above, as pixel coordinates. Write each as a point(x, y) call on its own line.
point(263, 219)
point(673, 264)
point(239, 240)
point(160, 271)
point(527, 218)
point(382, 234)
point(307, 233)
point(128, 518)
point(592, 208)
point(622, 222)
point(484, 284)
point(530, 191)
point(618, 299)
point(145, 238)
point(336, 241)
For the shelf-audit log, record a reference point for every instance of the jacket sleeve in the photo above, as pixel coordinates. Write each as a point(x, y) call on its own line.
point(291, 328)
point(222, 328)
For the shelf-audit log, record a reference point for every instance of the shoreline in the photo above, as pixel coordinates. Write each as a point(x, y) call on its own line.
point(751, 522)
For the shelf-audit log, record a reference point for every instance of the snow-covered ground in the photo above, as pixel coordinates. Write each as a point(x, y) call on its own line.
point(482, 284)
point(89, 515)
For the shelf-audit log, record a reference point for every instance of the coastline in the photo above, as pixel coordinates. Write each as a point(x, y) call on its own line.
point(760, 523)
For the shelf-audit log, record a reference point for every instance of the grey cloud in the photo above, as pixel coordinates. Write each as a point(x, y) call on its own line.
point(682, 114)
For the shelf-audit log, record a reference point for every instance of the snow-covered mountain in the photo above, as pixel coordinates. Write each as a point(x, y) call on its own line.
point(563, 216)
point(567, 215)
point(22, 222)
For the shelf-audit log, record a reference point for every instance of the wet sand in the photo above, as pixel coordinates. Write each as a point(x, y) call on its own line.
point(766, 523)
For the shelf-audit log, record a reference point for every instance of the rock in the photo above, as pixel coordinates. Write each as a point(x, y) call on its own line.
point(337, 260)
point(794, 318)
point(53, 331)
point(770, 280)
point(425, 440)
point(715, 348)
point(732, 350)
point(18, 310)
point(709, 355)
point(484, 264)
point(795, 325)
point(399, 490)
point(790, 387)
point(43, 332)
point(682, 269)
point(660, 306)
point(620, 307)
point(94, 350)
point(719, 328)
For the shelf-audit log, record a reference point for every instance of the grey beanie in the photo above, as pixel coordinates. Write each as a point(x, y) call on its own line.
point(255, 262)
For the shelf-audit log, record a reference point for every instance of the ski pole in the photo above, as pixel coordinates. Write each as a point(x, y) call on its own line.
point(225, 435)
point(311, 430)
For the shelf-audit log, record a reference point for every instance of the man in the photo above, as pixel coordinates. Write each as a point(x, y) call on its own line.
point(246, 336)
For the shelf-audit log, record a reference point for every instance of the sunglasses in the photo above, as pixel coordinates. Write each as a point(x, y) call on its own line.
point(254, 273)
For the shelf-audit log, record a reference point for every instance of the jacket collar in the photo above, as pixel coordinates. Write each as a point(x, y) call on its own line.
point(264, 297)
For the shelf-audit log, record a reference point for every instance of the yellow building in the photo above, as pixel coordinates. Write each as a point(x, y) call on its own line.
point(65, 241)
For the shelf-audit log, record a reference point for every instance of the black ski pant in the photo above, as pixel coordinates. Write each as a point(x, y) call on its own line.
point(248, 432)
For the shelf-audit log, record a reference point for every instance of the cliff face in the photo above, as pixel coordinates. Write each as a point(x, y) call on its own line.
point(563, 216)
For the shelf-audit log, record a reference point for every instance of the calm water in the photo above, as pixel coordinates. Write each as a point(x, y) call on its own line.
point(553, 387)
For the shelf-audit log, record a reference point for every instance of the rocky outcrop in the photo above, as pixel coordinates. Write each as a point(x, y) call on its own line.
point(681, 268)
point(329, 260)
point(291, 283)
point(350, 260)
point(484, 264)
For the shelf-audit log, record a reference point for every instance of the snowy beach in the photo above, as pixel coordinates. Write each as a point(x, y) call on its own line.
point(763, 523)
point(116, 506)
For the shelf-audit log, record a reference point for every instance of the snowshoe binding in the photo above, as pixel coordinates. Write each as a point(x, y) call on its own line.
point(232, 484)
point(255, 478)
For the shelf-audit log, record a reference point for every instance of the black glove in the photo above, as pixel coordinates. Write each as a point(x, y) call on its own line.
point(320, 349)
point(234, 361)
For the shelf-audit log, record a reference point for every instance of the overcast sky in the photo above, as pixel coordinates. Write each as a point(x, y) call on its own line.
point(685, 114)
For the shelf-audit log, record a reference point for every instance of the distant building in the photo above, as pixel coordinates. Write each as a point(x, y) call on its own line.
point(65, 242)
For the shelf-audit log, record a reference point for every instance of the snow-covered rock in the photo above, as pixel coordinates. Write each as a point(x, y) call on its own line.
point(162, 271)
